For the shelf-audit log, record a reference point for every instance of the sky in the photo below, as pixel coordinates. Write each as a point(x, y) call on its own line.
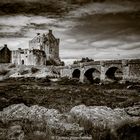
point(98, 31)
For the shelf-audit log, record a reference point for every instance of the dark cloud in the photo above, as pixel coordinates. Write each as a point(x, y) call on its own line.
point(36, 7)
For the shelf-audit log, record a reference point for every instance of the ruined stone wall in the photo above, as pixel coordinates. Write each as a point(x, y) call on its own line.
point(15, 57)
point(20, 57)
point(28, 57)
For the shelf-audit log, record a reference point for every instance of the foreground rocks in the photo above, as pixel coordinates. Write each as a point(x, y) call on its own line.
point(20, 122)
point(37, 121)
point(108, 124)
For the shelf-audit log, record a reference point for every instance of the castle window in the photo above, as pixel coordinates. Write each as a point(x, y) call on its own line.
point(50, 49)
point(22, 62)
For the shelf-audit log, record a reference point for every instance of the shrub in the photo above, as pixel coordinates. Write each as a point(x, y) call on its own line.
point(128, 130)
point(12, 66)
point(67, 81)
point(3, 72)
point(36, 130)
point(44, 80)
point(24, 72)
point(34, 70)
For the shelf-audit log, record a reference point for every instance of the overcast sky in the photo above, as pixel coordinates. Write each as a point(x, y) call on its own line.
point(93, 31)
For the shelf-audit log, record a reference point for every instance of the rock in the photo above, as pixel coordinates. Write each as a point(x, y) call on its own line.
point(41, 119)
point(15, 112)
point(67, 129)
point(3, 102)
point(15, 133)
point(136, 87)
point(3, 134)
point(133, 111)
point(71, 138)
point(101, 115)
point(33, 113)
point(102, 122)
point(37, 113)
point(106, 123)
point(40, 134)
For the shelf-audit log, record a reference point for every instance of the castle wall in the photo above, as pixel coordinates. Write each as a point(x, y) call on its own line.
point(47, 43)
point(28, 57)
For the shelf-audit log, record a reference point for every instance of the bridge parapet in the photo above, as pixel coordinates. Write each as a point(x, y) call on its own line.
point(112, 62)
point(75, 65)
point(91, 63)
point(134, 61)
point(85, 64)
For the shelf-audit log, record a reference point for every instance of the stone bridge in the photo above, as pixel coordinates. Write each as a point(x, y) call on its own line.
point(96, 71)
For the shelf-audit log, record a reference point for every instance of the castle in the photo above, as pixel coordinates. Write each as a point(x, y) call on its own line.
point(43, 50)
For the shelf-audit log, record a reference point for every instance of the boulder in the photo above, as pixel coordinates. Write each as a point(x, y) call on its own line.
point(105, 123)
point(14, 112)
point(40, 119)
point(15, 133)
point(33, 113)
point(133, 111)
point(38, 113)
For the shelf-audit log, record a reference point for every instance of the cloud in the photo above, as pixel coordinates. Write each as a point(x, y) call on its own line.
point(34, 7)
point(105, 8)
point(71, 40)
point(130, 46)
point(106, 44)
point(97, 36)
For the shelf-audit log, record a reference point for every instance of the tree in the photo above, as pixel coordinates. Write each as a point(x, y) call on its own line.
point(86, 59)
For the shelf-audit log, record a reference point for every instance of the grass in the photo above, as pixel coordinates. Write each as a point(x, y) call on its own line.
point(32, 130)
point(12, 66)
point(34, 70)
point(64, 96)
point(3, 72)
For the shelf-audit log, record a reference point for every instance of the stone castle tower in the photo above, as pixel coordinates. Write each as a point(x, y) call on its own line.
point(47, 43)
point(43, 50)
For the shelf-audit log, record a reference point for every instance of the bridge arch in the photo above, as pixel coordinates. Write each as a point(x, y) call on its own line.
point(114, 73)
point(76, 73)
point(92, 75)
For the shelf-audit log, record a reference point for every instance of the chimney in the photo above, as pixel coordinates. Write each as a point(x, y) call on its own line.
point(38, 34)
point(50, 31)
point(19, 49)
point(5, 45)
